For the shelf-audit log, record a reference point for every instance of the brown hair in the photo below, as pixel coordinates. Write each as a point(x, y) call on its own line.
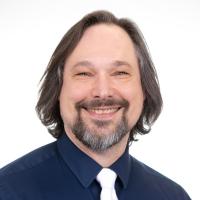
point(48, 104)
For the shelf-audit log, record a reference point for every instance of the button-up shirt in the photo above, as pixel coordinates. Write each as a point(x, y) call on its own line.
point(61, 171)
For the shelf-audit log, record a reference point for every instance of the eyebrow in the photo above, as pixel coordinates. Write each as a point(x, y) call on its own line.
point(119, 63)
point(86, 63)
point(83, 63)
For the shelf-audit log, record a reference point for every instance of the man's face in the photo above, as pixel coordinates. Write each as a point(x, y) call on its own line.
point(101, 98)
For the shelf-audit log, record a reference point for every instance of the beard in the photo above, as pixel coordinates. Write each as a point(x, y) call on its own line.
point(99, 137)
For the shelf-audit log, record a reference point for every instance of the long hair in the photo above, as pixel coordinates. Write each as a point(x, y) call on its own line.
point(47, 107)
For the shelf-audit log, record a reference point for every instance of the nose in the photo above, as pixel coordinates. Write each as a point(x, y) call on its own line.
point(102, 87)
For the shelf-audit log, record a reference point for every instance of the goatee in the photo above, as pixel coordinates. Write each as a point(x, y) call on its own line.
point(92, 137)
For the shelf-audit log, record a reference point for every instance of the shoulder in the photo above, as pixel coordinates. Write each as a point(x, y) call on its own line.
point(24, 174)
point(28, 162)
point(155, 182)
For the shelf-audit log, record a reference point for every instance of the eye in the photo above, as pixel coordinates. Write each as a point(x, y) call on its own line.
point(83, 74)
point(120, 73)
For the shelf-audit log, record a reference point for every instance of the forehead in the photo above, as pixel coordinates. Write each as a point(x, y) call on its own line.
point(105, 33)
point(104, 42)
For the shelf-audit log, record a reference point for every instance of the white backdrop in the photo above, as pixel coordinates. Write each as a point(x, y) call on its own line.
point(30, 31)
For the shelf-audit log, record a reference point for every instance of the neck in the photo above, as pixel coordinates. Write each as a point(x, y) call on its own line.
point(105, 158)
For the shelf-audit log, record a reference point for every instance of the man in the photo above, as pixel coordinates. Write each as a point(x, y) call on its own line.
point(99, 90)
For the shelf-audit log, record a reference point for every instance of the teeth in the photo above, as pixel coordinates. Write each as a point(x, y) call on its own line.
point(104, 111)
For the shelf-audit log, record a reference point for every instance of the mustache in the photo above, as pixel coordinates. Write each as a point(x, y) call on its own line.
point(101, 102)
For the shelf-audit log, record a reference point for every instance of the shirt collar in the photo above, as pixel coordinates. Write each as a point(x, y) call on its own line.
point(122, 167)
point(85, 168)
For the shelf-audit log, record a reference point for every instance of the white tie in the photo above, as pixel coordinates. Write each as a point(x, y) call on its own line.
point(106, 179)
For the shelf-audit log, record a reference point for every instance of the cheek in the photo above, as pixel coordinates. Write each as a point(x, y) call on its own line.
point(72, 92)
point(132, 92)
point(68, 98)
point(135, 98)
point(70, 95)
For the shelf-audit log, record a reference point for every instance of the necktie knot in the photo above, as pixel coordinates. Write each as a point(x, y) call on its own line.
point(106, 179)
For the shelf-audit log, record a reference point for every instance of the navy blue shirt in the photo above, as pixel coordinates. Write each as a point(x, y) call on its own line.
point(60, 171)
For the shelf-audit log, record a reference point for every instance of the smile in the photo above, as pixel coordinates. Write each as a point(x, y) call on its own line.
point(104, 110)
